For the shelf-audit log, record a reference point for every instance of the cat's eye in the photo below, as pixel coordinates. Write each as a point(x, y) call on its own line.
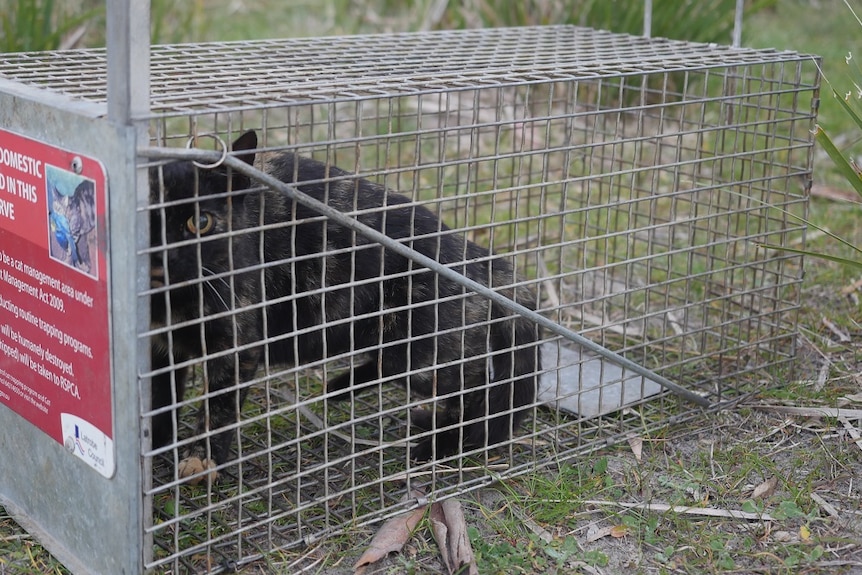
point(200, 224)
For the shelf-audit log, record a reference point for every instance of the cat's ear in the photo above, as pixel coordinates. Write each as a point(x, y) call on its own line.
point(247, 141)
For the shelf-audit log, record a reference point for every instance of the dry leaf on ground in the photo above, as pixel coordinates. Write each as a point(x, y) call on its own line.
point(450, 531)
point(637, 447)
point(615, 531)
point(391, 536)
point(765, 489)
point(596, 534)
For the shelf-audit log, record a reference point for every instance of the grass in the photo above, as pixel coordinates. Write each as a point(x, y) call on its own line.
point(575, 524)
point(45, 24)
point(20, 554)
point(708, 468)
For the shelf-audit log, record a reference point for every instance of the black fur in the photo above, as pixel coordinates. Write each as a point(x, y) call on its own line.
point(218, 274)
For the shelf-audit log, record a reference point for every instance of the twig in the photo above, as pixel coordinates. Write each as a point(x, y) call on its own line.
point(593, 319)
point(321, 425)
point(838, 563)
point(16, 537)
point(686, 510)
point(827, 507)
point(812, 411)
point(540, 531)
point(777, 429)
point(550, 289)
point(854, 433)
point(314, 552)
point(809, 336)
point(842, 337)
point(847, 290)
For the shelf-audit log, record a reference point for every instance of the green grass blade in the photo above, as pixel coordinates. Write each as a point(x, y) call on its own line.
point(836, 259)
point(798, 218)
point(811, 224)
point(847, 170)
point(848, 108)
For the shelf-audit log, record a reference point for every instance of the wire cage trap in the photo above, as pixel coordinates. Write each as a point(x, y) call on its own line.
point(620, 187)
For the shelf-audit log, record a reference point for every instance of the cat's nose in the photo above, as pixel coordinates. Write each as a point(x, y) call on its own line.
point(157, 277)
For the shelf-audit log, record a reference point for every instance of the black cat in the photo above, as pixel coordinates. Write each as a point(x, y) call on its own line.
point(225, 249)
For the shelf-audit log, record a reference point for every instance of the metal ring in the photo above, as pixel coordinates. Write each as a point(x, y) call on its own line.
point(221, 143)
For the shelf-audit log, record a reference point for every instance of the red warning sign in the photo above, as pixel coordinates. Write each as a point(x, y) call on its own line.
point(54, 343)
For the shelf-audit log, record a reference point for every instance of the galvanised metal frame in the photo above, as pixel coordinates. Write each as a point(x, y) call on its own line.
point(90, 523)
point(106, 530)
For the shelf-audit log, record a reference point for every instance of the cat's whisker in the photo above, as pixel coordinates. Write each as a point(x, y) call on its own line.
point(214, 290)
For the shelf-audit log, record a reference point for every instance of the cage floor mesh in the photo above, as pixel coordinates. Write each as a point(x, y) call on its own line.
point(296, 480)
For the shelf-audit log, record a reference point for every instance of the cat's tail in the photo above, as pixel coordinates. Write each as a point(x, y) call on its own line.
point(516, 364)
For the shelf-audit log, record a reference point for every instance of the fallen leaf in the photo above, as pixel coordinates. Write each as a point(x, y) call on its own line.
point(637, 446)
point(450, 531)
point(392, 535)
point(804, 533)
point(822, 376)
point(765, 489)
point(596, 534)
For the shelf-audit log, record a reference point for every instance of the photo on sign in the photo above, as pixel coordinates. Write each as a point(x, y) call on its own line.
point(72, 234)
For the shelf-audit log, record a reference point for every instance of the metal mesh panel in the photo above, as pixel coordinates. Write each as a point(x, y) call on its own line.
point(627, 182)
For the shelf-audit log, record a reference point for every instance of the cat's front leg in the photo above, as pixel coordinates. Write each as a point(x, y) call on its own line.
point(167, 390)
point(354, 380)
point(220, 410)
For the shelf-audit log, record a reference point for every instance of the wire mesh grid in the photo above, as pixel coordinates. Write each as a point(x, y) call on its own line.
point(628, 184)
point(212, 77)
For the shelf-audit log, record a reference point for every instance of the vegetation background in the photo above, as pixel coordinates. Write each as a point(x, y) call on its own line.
point(802, 471)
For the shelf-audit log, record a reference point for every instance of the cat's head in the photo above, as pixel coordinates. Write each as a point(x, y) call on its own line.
point(194, 215)
point(182, 180)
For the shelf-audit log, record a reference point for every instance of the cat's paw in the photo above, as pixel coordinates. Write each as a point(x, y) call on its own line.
point(422, 451)
point(441, 444)
point(197, 469)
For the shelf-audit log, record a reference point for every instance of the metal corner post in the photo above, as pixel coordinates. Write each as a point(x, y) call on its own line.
point(128, 91)
point(128, 43)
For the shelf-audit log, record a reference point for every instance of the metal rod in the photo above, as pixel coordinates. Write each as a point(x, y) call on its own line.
point(648, 18)
point(325, 210)
point(128, 60)
point(737, 23)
